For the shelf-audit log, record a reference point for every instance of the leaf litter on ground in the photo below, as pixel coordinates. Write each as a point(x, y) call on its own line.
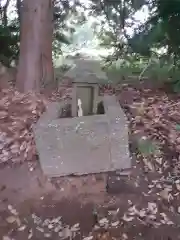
point(157, 116)
point(18, 113)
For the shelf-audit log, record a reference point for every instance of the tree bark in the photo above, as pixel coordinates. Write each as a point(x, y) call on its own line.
point(47, 34)
point(35, 61)
point(19, 7)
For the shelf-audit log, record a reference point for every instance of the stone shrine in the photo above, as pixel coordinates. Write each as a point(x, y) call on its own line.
point(93, 143)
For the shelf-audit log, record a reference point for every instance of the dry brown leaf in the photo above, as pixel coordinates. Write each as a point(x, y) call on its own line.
point(115, 224)
point(133, 211)
point(88, 238)
point(127, 218)
point(152, 207)
point(75, 227)
point(30, 235)
point(148, 164)
point(124, 236)
point(22, 228)
point(11, 219)
point(142, 213)
point(103, 221)
point(178, 210)
point(159, 160)
point(40, 229)
point(152, 217)
point(178, 186)
point(166, 219)
point(12, 210)
point(50, 226)
point(6, 238)
point(165, 194)
point(65, 233)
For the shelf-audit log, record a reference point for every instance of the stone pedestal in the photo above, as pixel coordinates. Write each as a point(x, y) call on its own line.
point(84, 145)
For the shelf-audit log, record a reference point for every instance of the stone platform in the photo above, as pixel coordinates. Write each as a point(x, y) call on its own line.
point(83, 145)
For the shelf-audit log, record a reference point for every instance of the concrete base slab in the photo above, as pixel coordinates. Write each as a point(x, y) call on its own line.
point(84, 145)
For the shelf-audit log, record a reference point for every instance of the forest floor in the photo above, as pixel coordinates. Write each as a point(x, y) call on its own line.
point(147, 207)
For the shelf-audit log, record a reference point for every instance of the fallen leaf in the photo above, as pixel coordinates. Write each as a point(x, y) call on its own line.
point(75, 227)
point(88, 238)
point(115, 224)
point(22, 228)
point(165, 194)
point(152, 207)
point(113, 212)
point(159, 160)
point(30, 234)
point(142, 213)
point(103, 221)
point(178, 186)
point(12, 210)
point(127, 219)
point(166, 219)
point(124, 236)
point(152, 217)
point(58, 228)
point(65, 233)
point(178, 210)
point(148, 164)
point(133, 211)
point(40, 229)
point(11, 219)
point(50, 226)
point(6, 238)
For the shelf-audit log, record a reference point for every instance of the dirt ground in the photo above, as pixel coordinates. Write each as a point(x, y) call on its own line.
point(146, 206)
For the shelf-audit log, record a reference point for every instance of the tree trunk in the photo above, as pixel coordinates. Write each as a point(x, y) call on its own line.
point(19, 7)
point(47, 44)
point(35, 61)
